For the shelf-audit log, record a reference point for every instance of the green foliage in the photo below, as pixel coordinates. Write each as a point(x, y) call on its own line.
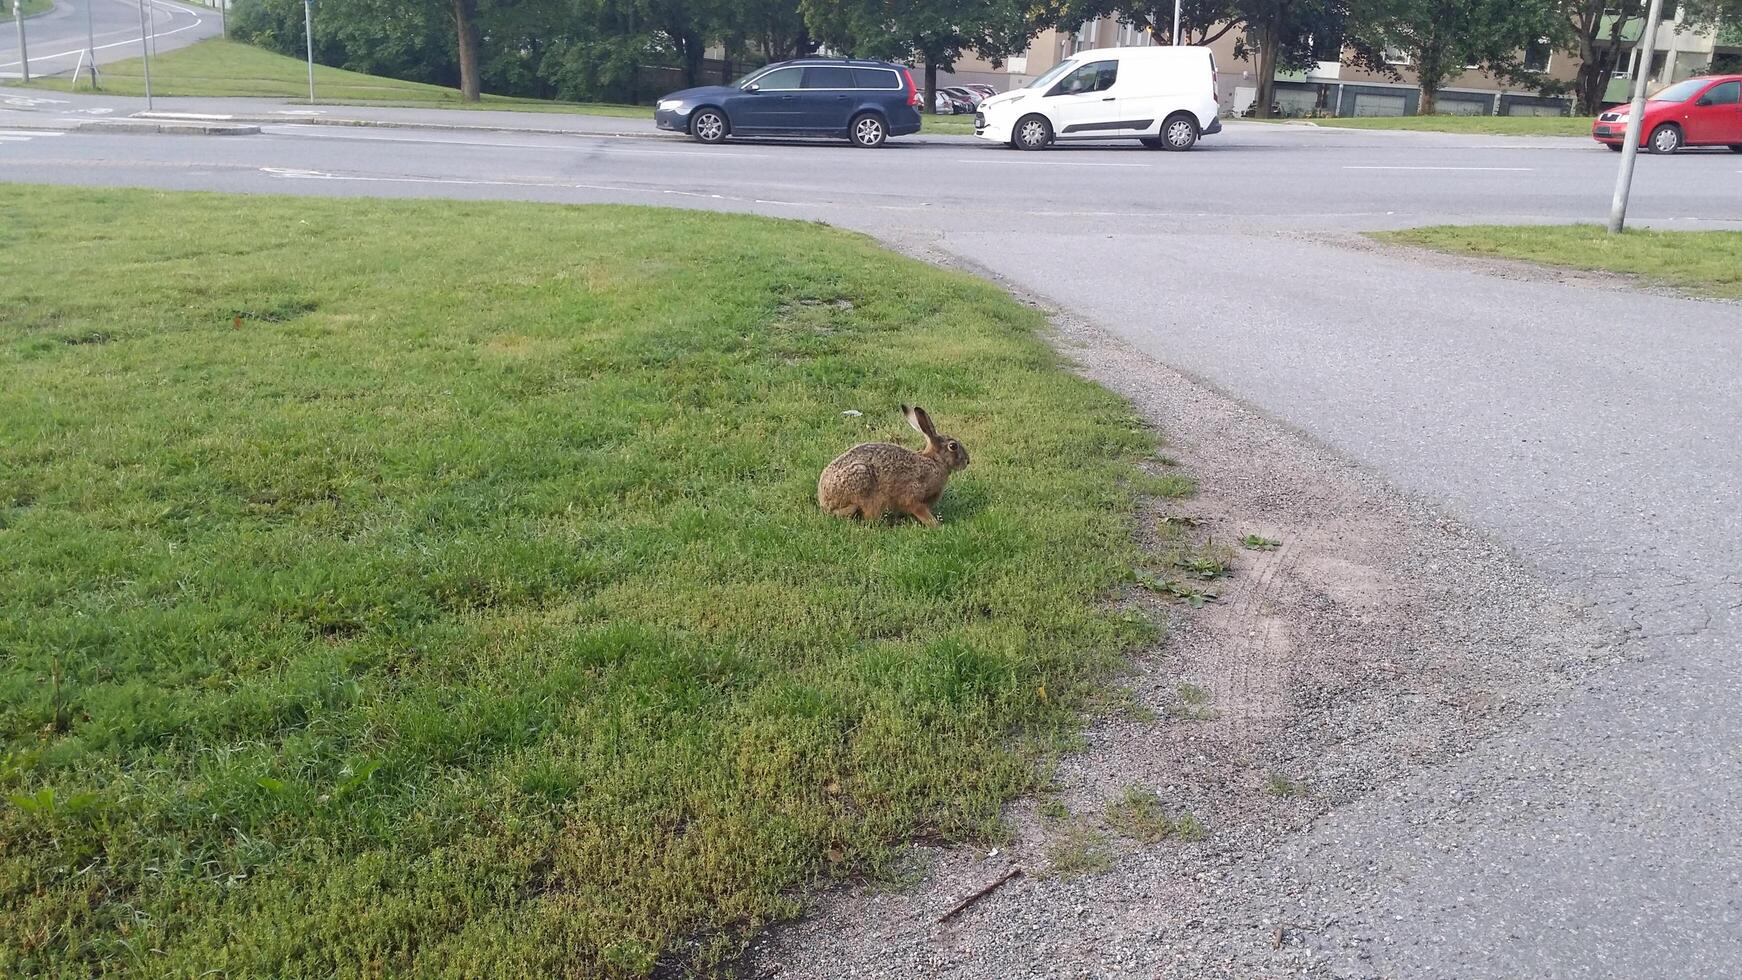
point(1701, 262)
point(466, 611)
point(1140, 815)
point(1442, 37)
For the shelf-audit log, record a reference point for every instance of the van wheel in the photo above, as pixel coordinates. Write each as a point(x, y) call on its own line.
point(1180, 132)
point(1736, 147)
point(867, 130)
point(1032, 133)
point(708, 126)
point(1665, 139)
point(1153, 142)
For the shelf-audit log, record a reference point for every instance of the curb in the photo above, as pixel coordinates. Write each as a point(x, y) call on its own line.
point(179, 128)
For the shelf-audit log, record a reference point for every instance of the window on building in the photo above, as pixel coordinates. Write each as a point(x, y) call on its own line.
point(1539, 55)
point(1397, 56)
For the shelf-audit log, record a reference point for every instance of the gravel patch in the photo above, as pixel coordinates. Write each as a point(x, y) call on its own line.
point(1378, 639)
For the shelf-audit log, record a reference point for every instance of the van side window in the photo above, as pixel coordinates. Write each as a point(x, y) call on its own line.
point(1096, 76)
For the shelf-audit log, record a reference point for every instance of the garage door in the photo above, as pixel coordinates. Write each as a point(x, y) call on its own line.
point(1380, 105)
point(1464, 107)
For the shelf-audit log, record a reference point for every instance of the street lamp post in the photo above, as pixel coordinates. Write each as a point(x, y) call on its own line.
point(1635, 121)
point(90, 47)
point(145, 53)
point(1176, 4)
point(308, 30)
point(23, 52)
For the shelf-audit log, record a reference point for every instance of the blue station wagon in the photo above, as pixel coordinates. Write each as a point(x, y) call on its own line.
point(865, 102)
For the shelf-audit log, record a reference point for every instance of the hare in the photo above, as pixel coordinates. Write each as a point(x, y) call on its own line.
point(875, 478)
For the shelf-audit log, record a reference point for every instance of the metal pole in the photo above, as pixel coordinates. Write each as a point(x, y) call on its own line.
point(1635, 122)
point(145, 52)
point(151, 6)
point(23, 52)
point(1176, 26)
point(90, 47)
point(308, 30)
point(224, 17)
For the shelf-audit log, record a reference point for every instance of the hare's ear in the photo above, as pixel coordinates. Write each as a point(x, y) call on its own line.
point(917, 418)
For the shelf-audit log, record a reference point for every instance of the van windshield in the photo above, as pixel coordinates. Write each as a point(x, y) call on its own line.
point(1054, 75)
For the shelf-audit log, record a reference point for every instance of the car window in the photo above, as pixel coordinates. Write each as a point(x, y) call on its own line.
point(1680, 91)
point(827, 76)
point(1728, 93)
point(875, 78)
point(1096, 76)
point(781, 80)
point(1054, 74)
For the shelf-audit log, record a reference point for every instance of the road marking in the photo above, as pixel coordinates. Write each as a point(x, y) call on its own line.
point(317, 132)
point(1052, 163)
point(1508, 170)
point(28, 133)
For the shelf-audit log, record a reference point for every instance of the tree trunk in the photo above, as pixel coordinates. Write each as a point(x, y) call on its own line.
point(1430, 99)
point(693, 50)
point(1592, 81)
point(931, 86)
point(464, 13)
point(1269, 37)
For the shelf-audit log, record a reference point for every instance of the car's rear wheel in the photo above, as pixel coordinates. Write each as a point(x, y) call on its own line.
point(1665, 139)
point(1032, 133)
point(1180, 132)
point(868, 130)
point(709, 126)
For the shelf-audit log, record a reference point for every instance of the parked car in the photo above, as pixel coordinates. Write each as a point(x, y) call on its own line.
point(986, 91)
point(1163, 96)
point(865, 102)
point(962, 93)
point(1705, 111)
point(946, 104)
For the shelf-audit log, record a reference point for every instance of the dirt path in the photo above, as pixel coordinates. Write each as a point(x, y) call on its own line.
point(1379, 638)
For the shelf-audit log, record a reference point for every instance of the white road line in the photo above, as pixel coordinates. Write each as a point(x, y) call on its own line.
point(1507, 170)
point(14, 139)
point(29, 133)
point(1053, 163)
point(132, 40)
point(318, 132)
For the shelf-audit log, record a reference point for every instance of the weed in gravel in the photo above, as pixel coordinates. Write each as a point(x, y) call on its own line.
point(1081, 849)
point(1140, 815)
point(1256, 542)
point(1285, 787)
point(1194, 704)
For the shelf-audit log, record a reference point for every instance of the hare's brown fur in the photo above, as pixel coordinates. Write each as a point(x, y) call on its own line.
point(877, 478)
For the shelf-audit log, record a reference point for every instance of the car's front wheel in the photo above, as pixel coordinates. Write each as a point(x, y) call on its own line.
point(1032, 133)
point(1665, 139)
point(1617, 147)
point(867, 130)
point(1153, 142)
point(709, 126)
point(1736, 147)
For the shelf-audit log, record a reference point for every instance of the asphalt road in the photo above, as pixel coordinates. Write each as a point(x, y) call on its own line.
point(1593, 429)
point(57, 38)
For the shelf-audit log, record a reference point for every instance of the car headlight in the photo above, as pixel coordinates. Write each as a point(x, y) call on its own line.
point(669, 105)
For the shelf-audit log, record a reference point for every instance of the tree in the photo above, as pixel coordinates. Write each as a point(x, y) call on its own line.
point(1444, 38)
point(1588, 23)
point(938, 31)
point(1201, 21)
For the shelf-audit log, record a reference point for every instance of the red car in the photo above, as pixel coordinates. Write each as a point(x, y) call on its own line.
point(1698, 112)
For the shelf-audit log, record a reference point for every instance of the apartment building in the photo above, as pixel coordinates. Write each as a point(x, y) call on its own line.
point(1331, 87)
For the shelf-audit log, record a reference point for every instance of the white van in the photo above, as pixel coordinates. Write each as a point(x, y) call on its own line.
point(1163, 95)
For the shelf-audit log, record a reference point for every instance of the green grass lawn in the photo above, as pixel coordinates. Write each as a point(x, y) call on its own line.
point(31, 8)
point(228, 68)
point(1474, 125)
point(437, 589)
point(1702, 262)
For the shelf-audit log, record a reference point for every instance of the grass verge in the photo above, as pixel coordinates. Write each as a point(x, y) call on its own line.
point(219, 68)
point(1701, 262)
point(31, 8)
point(436, 589)
point(1473, 125)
